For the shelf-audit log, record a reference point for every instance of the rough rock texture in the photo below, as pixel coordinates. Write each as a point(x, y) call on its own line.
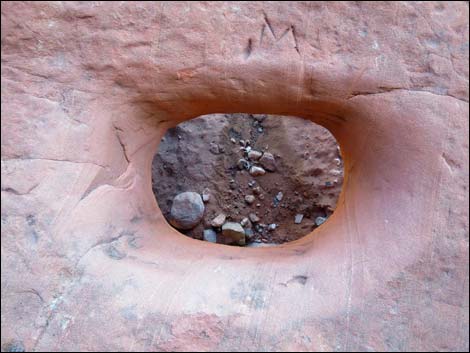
point(88, 90)
point(308, 173)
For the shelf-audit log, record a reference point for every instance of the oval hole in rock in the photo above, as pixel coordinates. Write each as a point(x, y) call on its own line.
point(247, 179)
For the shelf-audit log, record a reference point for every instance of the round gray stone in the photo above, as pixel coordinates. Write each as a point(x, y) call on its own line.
point(187, 210)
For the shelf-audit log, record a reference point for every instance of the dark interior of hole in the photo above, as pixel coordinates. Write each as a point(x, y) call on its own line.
point(205, 153)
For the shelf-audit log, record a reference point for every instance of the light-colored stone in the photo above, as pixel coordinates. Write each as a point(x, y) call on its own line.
point(206, 195)
point(257, 171)
point(249, 199)
point(320, 220)
point(254, 155)
point(298, 218)
point(218, 221)
point(235, 232)
point(335, 172)
point(245, 222)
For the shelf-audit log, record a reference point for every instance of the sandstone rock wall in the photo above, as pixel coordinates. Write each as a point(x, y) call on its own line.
point(88, 261)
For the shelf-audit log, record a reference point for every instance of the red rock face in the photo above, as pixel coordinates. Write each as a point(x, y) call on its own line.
point(88, 261)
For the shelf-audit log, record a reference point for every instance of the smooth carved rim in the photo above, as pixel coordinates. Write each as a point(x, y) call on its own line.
point(289, 100)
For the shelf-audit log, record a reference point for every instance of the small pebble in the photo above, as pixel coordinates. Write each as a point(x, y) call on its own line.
point(279, 196)
point(218, 221)
point(298, 218)
point(233, 140)
point(253, 217)
point(257, 171)
point(245, 222)
point(242, 143)
point(249, 199)
point(206, 195)
point(210, 236)
point(254, 155)
point(257, 190)
point(320, 220)
point(214, 148)
point(272, 227)
point(268, 162)
point(335, 172)
point(243, 164)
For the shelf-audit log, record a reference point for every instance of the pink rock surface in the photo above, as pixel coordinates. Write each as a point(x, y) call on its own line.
point(88, 261)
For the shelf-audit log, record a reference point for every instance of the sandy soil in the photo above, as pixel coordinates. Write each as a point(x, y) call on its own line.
point(201, 154)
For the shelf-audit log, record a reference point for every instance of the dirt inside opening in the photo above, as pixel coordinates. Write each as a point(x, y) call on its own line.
point(218, 156)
